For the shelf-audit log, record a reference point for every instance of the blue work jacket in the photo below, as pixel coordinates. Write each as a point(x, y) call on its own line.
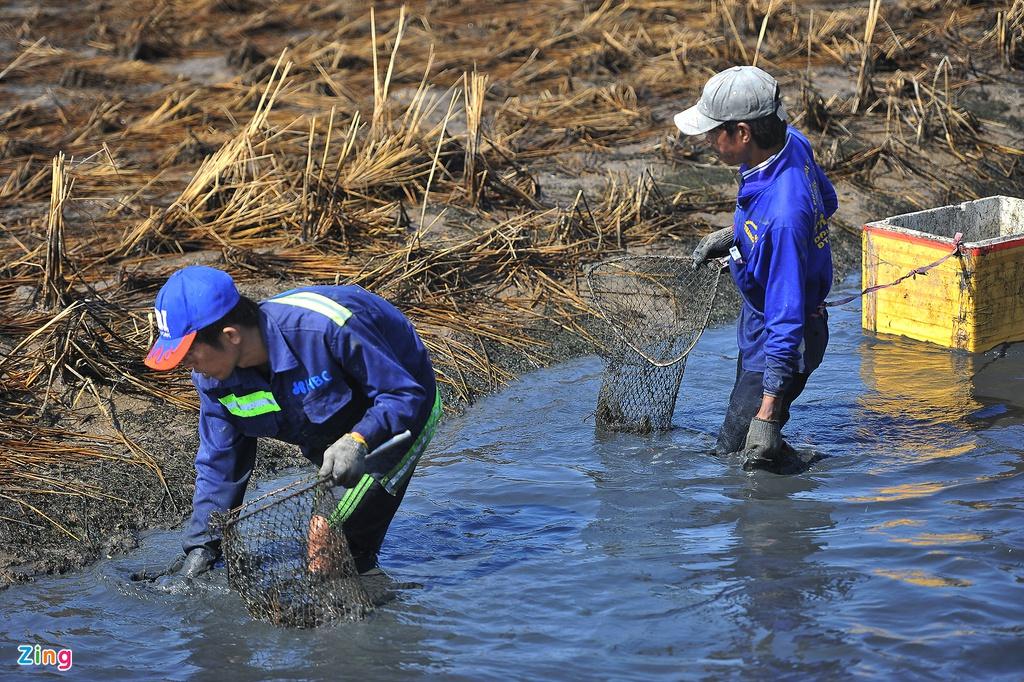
point(340, 359)
point(784, 265)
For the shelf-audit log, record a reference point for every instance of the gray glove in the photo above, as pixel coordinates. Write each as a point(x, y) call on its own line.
point(345, 461)
point(186, 567)
point(712, 245)
point(764, 442)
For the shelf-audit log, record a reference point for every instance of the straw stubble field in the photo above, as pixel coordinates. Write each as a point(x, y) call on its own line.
point(463, 159)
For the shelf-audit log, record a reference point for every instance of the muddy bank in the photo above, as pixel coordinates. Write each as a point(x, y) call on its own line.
point(492, 153)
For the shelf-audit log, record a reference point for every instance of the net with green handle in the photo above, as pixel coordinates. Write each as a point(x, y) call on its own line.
point(288, 561)
point(288, 564)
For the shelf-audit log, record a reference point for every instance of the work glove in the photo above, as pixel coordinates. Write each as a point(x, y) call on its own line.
point(194, 563)
point(713, 245)
point(345, 460)
point(199, 560)
point(182, 570)
point(764, 443)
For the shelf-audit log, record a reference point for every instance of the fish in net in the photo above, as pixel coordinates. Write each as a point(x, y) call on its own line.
point(290, 564)
point(651, 312)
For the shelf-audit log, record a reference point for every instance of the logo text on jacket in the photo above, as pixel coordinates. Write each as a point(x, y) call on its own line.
point(312, 382)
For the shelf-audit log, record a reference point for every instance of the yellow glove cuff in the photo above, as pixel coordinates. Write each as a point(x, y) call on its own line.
point(358, 437)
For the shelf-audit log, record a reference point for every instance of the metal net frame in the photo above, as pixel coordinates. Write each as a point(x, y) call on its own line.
point(653, 310)
point(289, 562)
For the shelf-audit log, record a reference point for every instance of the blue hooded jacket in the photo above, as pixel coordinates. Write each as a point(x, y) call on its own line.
point(784, 271)
point(340, 359)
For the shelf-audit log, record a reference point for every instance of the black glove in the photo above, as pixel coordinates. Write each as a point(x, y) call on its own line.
point(713, 245)
point(764, 443)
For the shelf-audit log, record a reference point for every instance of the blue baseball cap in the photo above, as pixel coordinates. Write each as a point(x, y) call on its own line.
point(192, 298)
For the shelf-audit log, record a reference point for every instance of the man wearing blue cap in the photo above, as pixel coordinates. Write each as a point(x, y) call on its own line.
point(779, 254)
point(334, 369)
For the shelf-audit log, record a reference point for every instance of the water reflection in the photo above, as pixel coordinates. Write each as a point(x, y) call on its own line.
point(658, 551)
point(933, 424)
point(916, 404)
point(780, 583)
point(917, 381)
point(926, 384)
point(718, 561)
point(997, 384)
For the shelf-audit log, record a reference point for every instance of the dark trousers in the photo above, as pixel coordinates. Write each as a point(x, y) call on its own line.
point(748, 390)
point(364, 514)
point(366, 527)
point(745, 401)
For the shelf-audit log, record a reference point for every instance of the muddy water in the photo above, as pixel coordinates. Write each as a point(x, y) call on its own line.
point(545, 550)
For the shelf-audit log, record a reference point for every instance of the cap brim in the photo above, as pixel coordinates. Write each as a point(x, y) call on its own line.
point(692, 122)
point(167, 353)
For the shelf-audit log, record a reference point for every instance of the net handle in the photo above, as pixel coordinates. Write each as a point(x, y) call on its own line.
point(311, 482)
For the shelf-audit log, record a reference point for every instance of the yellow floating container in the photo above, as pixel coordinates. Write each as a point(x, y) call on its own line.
point(972, 301)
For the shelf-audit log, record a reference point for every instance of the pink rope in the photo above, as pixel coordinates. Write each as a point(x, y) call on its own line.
point(957, 243)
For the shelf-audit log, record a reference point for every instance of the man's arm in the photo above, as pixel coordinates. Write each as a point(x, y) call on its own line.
point(784, 330)
point(224, 463)
point(783, 310)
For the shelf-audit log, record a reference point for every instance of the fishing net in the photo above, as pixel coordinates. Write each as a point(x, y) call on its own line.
point(653, 309)
point(288, 562)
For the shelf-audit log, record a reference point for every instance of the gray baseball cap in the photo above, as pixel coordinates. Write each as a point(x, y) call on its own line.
point(740, 93)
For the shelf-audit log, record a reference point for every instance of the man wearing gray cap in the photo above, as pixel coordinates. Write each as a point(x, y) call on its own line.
point(778, 253)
